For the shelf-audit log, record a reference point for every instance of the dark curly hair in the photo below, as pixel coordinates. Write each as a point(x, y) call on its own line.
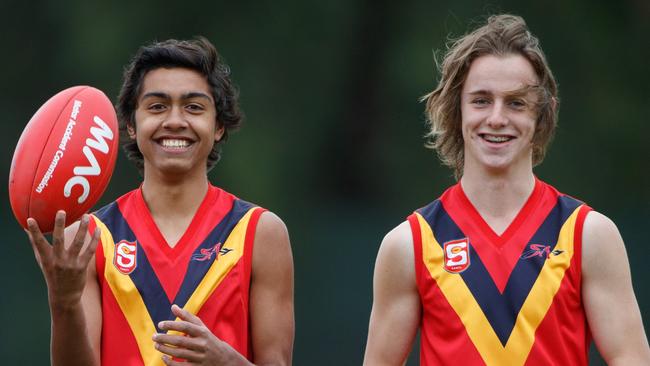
point(199, 55)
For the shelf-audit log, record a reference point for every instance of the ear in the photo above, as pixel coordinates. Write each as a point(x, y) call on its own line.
point(218, 134)
point(130, 129)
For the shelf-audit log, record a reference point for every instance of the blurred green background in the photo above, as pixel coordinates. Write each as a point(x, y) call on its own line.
point(333, 137)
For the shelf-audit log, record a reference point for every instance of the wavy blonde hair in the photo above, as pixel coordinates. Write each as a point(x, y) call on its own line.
point(501, 35)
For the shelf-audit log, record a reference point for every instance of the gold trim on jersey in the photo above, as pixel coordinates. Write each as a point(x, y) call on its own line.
point(133, 307)
point(532, 312)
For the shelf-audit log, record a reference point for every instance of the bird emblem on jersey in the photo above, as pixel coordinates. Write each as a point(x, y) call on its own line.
point(541, 251)
point(206, 254)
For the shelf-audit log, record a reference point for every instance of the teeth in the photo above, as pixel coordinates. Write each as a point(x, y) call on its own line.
point(492, 138)
point(175, 143)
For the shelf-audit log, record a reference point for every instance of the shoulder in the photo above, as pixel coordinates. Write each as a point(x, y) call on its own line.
point(396, 251)
point(271, 227)
point(599, 230)
point(271, 243)
point(272, 259)
point(395, 272)
point(399, 239)
point(600, 240)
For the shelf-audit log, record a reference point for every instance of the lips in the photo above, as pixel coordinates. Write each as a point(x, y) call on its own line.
point(496, 139)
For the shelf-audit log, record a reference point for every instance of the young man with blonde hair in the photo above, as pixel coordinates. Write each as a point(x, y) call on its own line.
point(502, 269)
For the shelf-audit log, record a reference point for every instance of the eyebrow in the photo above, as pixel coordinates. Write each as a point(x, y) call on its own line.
point(189, 95)
point(520, 92)
point(155, 95)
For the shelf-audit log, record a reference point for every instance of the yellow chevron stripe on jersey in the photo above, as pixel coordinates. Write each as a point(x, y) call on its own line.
point(130, 302)
point(222, 266)
point(532, 311)
point(134, 308)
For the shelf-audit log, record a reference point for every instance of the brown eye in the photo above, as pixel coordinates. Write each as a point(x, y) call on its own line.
point(194, 107)
point(156, 107)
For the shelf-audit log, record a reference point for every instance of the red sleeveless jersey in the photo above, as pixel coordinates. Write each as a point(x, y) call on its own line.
point(509, 299)
point(207, 273)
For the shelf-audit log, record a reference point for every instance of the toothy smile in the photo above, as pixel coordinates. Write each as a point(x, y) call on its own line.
point(496, 138)
point(174, 143)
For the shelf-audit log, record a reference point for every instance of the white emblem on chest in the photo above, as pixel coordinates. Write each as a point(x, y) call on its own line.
point(125, 258)
point(456, 255)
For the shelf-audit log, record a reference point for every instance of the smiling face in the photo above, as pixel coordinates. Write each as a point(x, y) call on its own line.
point(176, 124)
point(498, 109)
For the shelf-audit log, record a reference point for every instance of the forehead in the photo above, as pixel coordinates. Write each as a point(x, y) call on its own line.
point(174, 81)
point(499, 74)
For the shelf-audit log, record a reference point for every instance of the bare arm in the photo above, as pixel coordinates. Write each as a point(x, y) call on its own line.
point(73, 292)
point(396, 306)
point(271, 310)
point(610, 304)
point(271, 298)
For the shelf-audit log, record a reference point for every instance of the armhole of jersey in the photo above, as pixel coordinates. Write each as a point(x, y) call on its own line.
point(417, 247)
point(248, 249)
point(577, 248)
point(100, 261)
point(577, 239)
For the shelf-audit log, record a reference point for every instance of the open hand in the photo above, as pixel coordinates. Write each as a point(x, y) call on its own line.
point(64, 266)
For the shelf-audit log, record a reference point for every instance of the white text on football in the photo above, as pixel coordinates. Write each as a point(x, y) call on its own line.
point(67, 135)
point(81, 172)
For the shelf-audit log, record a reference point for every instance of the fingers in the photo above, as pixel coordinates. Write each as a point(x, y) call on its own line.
point(195, 343)
point(38, 241)
point(169, 362)
point(58, 238)
point(177, 341)
point(186, 315)
point(92, 246)
point(44, 252)
point(181, 326)
point(177, 352)
point(37, 255)
point(80, 236)
point(189, 323)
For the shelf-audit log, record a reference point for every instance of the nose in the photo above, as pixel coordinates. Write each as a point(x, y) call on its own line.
point(175, 119)
point(497, 117)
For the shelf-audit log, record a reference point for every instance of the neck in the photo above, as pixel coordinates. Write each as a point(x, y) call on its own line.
point(174, 197)
point(498, 196)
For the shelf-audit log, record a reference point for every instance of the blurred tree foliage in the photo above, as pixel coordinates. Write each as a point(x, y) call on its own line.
point(333, 136)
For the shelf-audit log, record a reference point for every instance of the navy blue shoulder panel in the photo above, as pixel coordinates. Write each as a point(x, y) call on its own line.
point(112, 217)
point(567, 206)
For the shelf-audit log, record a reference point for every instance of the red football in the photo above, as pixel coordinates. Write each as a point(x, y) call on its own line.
point(64, 158)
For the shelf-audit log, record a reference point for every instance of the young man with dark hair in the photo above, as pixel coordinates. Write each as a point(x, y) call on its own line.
point(177, 271)
point(502, 269)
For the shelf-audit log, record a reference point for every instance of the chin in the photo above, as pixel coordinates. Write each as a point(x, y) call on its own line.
point(172, 169)
point(503, 164)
